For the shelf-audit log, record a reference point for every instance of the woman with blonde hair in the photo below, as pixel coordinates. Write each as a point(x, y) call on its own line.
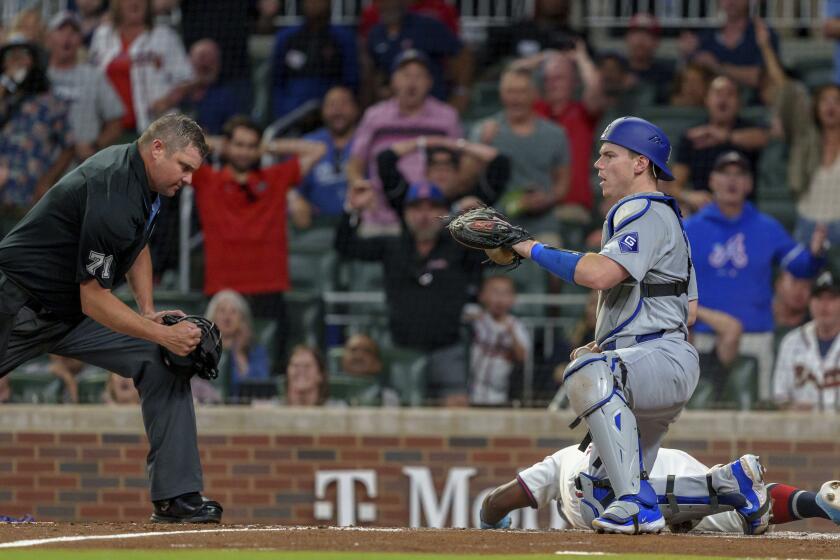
point(248, 359)
point(146, 63)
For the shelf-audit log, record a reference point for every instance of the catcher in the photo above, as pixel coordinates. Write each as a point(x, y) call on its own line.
point(57, 269)
point(633, 380)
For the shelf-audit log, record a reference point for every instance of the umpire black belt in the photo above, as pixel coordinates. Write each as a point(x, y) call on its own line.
point(627, 341)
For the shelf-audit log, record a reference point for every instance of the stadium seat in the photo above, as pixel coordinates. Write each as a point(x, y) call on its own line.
point(312, 240)
point(484, 101)
point(305, 319)
point(703, 396)
point(741, 388)
point(312, 270)
point(406, 374)
point(771, 183)
point(355, 391)
point(92, 386)
point(33, 383)
point(527, 278)
point(674, 120)
point(815, 71)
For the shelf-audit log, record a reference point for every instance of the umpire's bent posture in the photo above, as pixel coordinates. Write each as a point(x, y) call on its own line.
point(57, 268)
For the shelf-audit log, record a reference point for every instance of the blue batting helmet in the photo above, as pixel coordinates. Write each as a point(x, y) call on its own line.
point(644, 138)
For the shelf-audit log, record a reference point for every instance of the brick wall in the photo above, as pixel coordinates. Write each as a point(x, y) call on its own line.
point(261, 464)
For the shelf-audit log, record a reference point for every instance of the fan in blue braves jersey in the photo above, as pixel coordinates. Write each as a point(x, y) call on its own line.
point(633, 380)
point(735, 249)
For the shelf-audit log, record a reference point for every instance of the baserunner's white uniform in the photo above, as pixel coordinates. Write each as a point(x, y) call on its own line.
point(553, 478)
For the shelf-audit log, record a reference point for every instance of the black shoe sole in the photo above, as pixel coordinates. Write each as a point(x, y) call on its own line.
point(204, 518)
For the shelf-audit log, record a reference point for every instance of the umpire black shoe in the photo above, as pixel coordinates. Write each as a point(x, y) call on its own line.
point(187, 508)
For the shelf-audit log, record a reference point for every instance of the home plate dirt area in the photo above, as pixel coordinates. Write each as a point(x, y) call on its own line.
point(451, 541)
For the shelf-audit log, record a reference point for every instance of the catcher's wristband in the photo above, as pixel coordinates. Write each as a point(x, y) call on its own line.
point(557, 261)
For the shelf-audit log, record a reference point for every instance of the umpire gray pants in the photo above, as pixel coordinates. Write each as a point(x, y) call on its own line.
point(173, 464)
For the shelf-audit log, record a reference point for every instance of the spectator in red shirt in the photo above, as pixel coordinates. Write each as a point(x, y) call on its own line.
point(440, 10)
point(242, 208)
point(578, 117)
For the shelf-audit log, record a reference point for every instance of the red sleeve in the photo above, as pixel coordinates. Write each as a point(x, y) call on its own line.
point(284, 175)
point(542, 109)
point(451, 19)
point(202, 176)
point(369, 18)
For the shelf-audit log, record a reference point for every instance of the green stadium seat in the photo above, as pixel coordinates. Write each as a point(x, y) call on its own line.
point(741, 388)
point(33, 383)
point(406, 374)
point(363, 276)
point(815, 71)
point(312, 271)
point(92, 386)
point(674, 120)
point(484, 101)
point(703, 396)
point(527, 278)
point(771, 183)
point(355, 391)
point(305, 318)
point(317, 239)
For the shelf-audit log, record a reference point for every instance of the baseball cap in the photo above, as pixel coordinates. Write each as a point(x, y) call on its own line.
point(732, 157)
point(424, 190)
point(644, 22)
point(62, 17)
point(825, 282)
point(410, 55)
point(18, 40)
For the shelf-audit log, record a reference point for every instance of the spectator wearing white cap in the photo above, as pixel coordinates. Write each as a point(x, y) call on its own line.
point(95, 108)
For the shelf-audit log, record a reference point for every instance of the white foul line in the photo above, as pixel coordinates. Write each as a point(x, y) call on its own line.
point(55, 540)
point(80, 538)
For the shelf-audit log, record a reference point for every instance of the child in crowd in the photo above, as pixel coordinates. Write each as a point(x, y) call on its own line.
point(500, 344)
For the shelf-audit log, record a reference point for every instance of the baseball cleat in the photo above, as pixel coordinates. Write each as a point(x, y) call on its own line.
point(187, 508)
point(749, 473)
point(630, 517)
point(503, 523)
point(632, 514)
point(828, 498)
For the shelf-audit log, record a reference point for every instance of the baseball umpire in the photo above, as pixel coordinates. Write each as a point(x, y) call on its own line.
point(634, 379)
point(58, 267)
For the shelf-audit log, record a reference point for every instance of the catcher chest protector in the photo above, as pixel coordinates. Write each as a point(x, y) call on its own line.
point(204, 360)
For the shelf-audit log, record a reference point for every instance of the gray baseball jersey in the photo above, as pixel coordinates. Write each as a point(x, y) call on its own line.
point(643, 234)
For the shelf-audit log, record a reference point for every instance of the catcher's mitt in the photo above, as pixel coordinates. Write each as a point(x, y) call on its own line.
point(488, 229)
point(204, 360)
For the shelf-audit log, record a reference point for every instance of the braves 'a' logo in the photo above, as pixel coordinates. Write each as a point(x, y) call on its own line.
point(733, 252)
point(97, 261)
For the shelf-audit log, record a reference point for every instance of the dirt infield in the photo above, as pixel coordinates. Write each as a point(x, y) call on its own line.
point(144, 536)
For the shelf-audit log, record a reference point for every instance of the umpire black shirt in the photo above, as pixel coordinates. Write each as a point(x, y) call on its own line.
point(92, 224)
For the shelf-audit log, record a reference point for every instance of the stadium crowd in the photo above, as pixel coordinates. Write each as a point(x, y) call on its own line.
point(378, 130)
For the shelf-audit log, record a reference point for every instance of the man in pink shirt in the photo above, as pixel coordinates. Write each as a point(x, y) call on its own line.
point(410, 113)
